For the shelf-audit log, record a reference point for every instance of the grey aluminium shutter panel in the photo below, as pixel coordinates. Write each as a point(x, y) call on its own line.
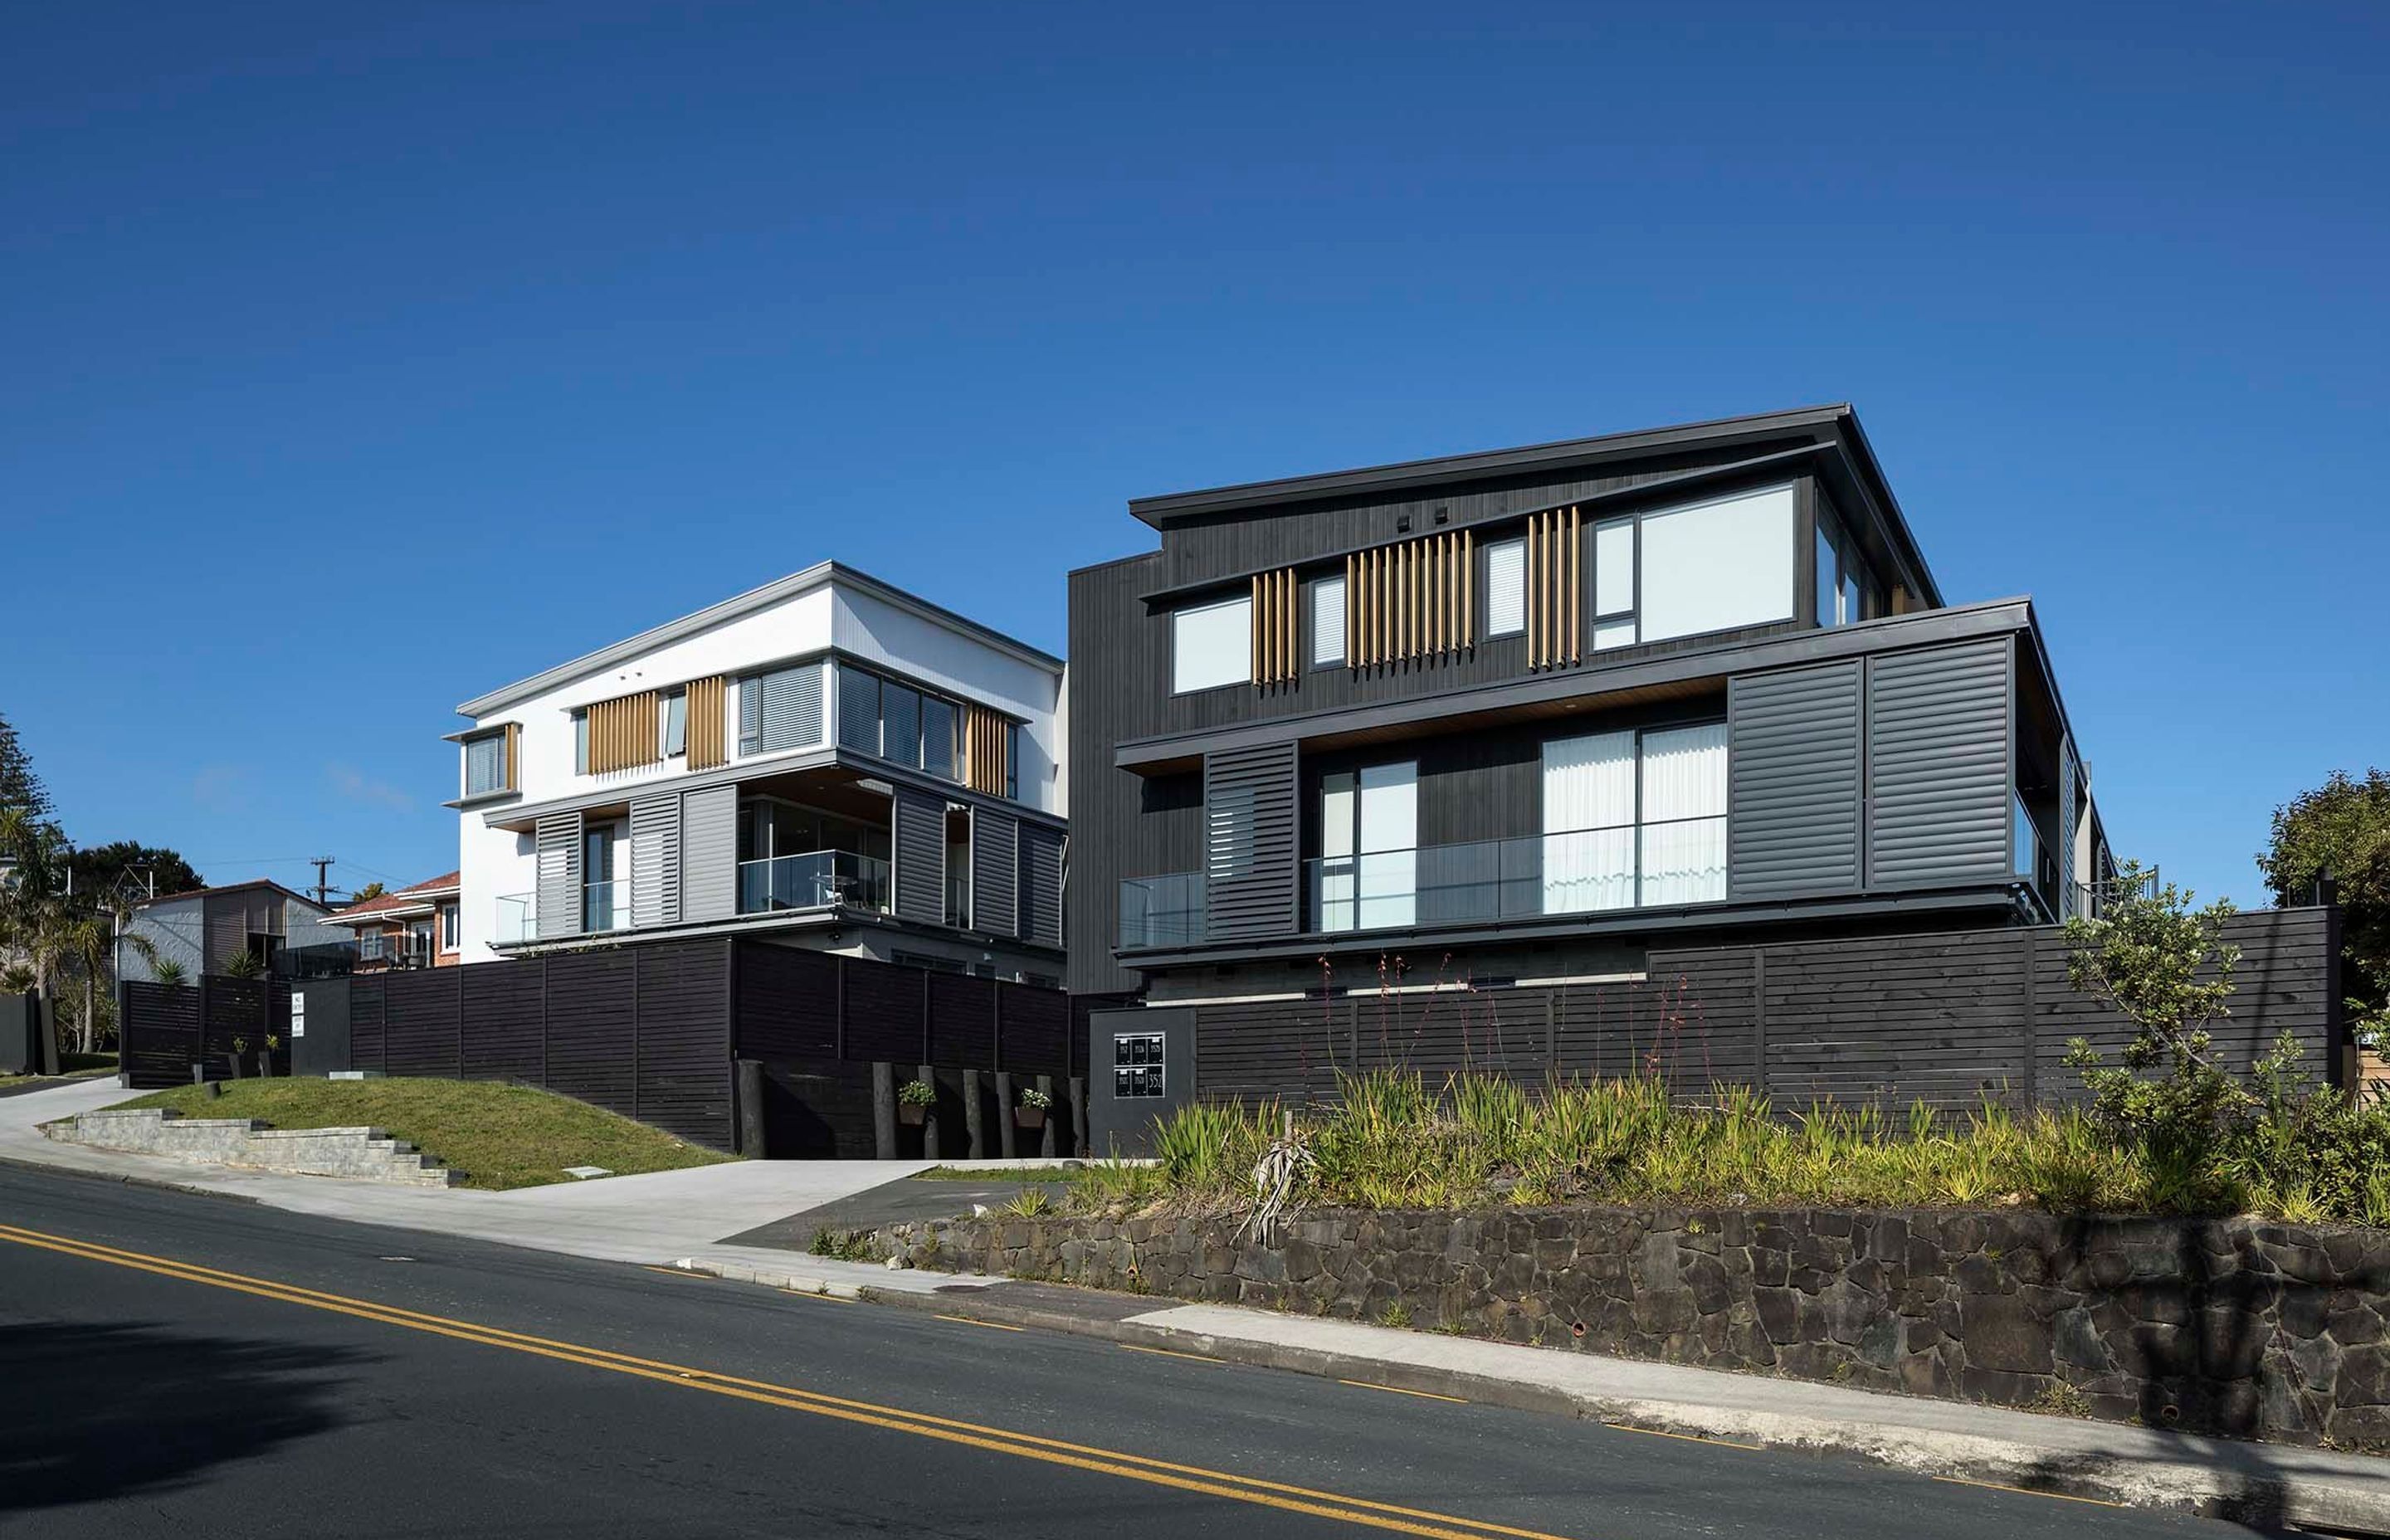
point(920, 849)
point(2068, 768)
point(858, 709)
point(791, 708)
point(995, 889)
point(655, 861)
point(1939, 772)
point(750, 714)
point(558, 838)
point(1794, 780)
point(1249, 813)
point(1041, 862)
point(709, 854)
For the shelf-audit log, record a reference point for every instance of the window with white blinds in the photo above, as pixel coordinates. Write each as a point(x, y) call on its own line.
point(1635, 819)
point(1505, 588)
point(1328, 622)
point(1211, 645)
point(485, 764)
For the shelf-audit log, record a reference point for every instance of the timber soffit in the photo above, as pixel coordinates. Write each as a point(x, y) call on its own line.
point(1992, 617)
point(830, 573)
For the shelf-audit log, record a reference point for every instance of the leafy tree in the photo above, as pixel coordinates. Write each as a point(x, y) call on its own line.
point(2168, 970)
point(122, 870)
point(371, 889)
point(19, 788)
point(2341, 828)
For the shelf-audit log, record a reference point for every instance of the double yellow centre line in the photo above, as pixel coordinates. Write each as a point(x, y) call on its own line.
point(1078, 1456)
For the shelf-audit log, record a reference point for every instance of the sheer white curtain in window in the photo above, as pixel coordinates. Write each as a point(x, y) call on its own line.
point(1589, 823)
point(1684, 814)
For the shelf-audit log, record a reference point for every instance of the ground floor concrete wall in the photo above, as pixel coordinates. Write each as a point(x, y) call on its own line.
point(2229, 1326)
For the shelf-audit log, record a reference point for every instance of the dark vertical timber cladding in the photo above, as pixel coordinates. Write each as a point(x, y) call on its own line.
point(921, 847)
point(995, 873)
point(709, 854)
point(367, 999)
point(962, 1019)
point(1794, 789)
point(683, 1046)
point(590, 1022)
point(655, 860)
point(1251, 880)
point(420, 1023)
point(1033, 1030)
point(1041, 857)
point(883, 1011)
point(502, 1005)
point(1939, 756)
point(558, 839)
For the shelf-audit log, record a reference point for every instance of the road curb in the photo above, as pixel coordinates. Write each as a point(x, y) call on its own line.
point(123, 1179)
point(2339, 1507)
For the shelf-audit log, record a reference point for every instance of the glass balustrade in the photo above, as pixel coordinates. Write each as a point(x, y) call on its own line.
point(1161, 911)
point(814, 879)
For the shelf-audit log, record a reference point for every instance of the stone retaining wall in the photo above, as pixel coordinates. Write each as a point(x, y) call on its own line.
point(2227, 1325)
point(364, 1154)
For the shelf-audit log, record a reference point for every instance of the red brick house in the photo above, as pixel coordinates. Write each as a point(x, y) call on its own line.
point(412, 927)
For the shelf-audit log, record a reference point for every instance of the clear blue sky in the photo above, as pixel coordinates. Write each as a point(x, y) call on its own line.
point(433, 344)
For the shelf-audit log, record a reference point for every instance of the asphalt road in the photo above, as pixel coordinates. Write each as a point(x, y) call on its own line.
point(164, 1371)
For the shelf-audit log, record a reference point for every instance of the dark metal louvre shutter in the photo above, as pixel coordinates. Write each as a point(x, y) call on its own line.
point(920, 849)
point(1938, 765)
point(858, 709)
point(558, 836)
point(900, 723)
point(655, 861)
point(995, 894)
point(1041, 875)
point(938, 736)
point(2068, 768)
point(709, 854)
point(1794, 807)
point(1249, 801)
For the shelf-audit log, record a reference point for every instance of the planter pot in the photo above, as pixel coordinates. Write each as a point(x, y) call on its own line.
point(911, 1115)
point(237, 1065)
point(1029, 1117)
point(265, 1065)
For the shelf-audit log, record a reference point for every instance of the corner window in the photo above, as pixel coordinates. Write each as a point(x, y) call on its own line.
point(1848, 592)
point(1211, 645)
point(1328, 622)
point(1505, 588)
point(1716, 566)
point(675, 723)
point(485, 764)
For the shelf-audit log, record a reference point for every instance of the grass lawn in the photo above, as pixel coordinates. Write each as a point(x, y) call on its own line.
point(497, 1136)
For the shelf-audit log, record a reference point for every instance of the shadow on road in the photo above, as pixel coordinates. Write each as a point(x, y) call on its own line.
point(101, 1411)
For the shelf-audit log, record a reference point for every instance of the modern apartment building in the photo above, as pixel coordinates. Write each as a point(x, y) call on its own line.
point(1515, 719)
point(826, 761)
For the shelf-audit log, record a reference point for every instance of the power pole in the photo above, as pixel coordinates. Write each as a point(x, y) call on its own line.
point(323, 864)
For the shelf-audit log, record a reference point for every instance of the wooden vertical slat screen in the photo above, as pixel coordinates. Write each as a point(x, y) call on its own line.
point(1277, 603)
point(987, 749)
point(623, 733)
point(707, 736)
point(514, 756)
point(1555, 588)
point(1411, 602)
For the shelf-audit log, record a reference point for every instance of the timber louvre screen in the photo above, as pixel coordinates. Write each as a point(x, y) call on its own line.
point(1555, 588)
point(1410, 601)
point(623, 734)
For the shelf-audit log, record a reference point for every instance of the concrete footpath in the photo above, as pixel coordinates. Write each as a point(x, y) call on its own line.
point(678, 1218)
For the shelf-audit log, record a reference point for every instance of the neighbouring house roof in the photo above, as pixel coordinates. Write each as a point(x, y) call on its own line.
point(816, 576)
point(420, 899)
point(229, 888)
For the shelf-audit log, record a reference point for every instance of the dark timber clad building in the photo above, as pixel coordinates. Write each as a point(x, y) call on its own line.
point(1516, 719)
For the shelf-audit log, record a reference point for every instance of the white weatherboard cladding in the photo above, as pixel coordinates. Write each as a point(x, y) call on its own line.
point(1716, 566)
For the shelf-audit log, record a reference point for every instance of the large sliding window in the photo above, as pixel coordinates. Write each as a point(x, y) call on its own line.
point(1211, 645)
point(1683, 572)
point(897, 722)
point(1367, 872)
point(1635, 819)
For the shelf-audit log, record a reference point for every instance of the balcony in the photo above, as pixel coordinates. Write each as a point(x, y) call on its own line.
point(383, 950)
point(814, 879)
point(1161, 911)
point(1485, 881)
point(597, 906)
point(517, 919)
